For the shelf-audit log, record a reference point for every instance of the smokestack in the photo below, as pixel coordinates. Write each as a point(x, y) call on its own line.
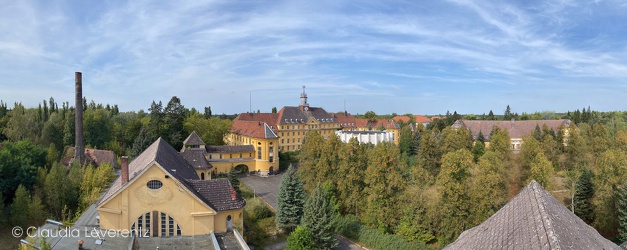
point(124, 169)
point(79, 153)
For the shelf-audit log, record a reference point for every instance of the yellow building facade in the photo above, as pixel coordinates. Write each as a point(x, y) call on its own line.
point(160, 195)
point(256, 136)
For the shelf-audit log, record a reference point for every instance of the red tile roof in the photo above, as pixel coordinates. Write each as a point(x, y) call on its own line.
point(375, 124)
point(422, 119)
point(255, 129)
point(399, 118)
point(345, 119)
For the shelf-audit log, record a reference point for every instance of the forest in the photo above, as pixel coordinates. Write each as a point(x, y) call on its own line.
point(34, 186)
point(438, 183)
point(425, 191)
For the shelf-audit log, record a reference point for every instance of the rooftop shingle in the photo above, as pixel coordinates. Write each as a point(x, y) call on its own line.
point(532, 220)
point(193, 140)
point(218, 193)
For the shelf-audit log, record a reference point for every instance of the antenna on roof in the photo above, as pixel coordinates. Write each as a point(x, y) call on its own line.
point(250, 102)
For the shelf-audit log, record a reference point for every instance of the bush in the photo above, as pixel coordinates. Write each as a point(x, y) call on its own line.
point(257, 210)
point(348, 226)
point(300, 239)
point(351, 227)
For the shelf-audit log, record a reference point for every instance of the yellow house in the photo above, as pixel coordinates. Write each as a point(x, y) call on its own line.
point(264, 144)
point(290, 124)
point(160, 195)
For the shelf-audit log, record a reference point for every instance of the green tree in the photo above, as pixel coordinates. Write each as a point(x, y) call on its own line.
point(406, 139)
point(212, 130)
point(478, 150)
point(455, 139)
point(583, 197)
point(98, 127)
point(318, 217)
point(508, 114)
point(429, 154)
point(415, 143)
point(142, 142)
point(301, 239)
point(455, 205)
point(491, 116)
point(500, 144)
point(232, 176)
point(174, 119)
point(207, 112)
point(274, 110)
point(488, 187)
point(622, 212)
point(370, 115)
point(290, 201)
point(18, 166)
point(310, 155)
point(19, 208)
point(384, 183)
point(351, 171)
point(2, 214)
point(156, 125)
point(610, 173)
point(541, 170)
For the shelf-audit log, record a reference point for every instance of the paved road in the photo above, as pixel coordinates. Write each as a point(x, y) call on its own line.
point(267, 188)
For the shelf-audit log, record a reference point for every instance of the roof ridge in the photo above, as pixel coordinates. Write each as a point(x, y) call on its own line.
point(547, 222)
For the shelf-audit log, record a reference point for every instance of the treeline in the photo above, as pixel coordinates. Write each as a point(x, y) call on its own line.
point(438, 183)
point(33, 184)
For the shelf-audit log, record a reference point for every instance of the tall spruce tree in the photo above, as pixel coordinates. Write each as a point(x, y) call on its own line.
point(318, 217)
point(583, 197)
point(290, 201)
point(415, 144)
point(234, 180)
point(622, 212)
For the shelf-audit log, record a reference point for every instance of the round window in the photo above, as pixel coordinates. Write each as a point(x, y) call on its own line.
point(154, 184)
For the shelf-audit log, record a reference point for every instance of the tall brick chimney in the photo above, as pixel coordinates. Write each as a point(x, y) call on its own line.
point(79, 153)
point(124, 169)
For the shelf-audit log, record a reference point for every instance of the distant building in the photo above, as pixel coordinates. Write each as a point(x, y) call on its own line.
point(290, 124)
point(96, 157)
point(516, 129)
point(383, 125)
point(374, 137)
point(159, 194)
point(532, 220)
point(420, 119)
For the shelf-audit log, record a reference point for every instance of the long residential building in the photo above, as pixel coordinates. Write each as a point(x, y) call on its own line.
point(516, 129)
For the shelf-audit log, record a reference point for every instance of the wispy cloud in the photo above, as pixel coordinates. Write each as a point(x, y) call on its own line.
point(419, 57)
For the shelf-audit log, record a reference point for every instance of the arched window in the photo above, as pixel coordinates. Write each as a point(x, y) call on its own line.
point(150, 224)
point(202, 176)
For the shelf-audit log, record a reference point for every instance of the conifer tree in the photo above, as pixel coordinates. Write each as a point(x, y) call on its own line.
point(19, 208)
point(415, 145)
point(290, 200)
point(478, 150)
point(318, 217)
point(234, 180)
point(583, 197)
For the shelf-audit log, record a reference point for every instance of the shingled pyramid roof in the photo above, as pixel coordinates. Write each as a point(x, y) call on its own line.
point(193, 140)
point(532, 220)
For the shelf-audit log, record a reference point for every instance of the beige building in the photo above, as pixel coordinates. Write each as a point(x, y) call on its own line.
point(516, 129)
point(159, 194)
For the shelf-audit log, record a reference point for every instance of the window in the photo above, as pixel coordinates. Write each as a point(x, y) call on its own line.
point(220, 156)
point(154, 184)
point(282, 140)
point(293, 133)
point(259, 153)
point(240, 155)
point(298, 132)
point(230, 156)
point(299, 140)
point(163, 225)
point(147, 228)
point(250, 154)
point(271, 158)
point(170, 225)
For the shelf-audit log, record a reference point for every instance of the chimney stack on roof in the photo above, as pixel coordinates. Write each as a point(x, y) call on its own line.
point(79, 152)
point(124, 169)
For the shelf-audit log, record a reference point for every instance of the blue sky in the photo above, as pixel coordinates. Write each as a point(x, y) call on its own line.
point(421, 57)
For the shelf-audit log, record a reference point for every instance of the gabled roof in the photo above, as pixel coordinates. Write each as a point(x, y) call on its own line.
point(422, 119)
point(230, 149)
point(268, 118)
point(532, 220)
point(255, 129)
point(516, 129)
point(193, 140)
point(375, 124)
point(218, 193)
point(290, 115)
point(400, 118)
point(345, 119)
point(162, 153)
